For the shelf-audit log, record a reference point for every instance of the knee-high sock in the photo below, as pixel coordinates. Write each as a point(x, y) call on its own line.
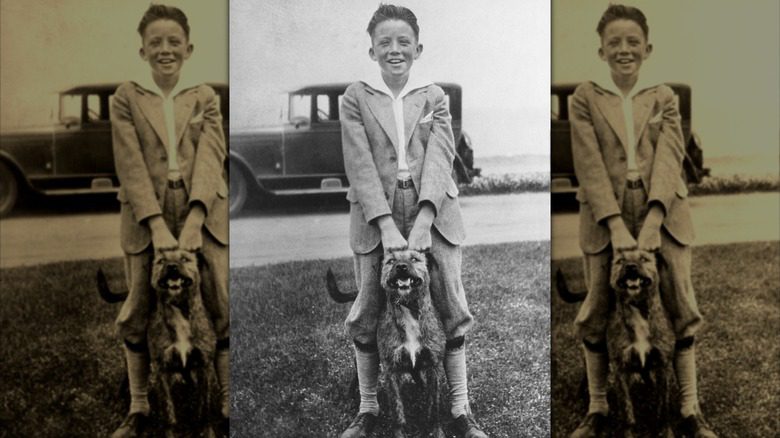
point(222, 366)
point(138, 378)
point(367, 361)
point(455, 368)
point(685, 369)
point(597, 369)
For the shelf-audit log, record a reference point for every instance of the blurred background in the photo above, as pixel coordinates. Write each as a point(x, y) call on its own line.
point(726, 51)
point(48, 46)
point(498, 53)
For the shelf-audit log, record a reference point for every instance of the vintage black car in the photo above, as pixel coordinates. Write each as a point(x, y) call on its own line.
point(74, 155)
point(303, 156)
point(562, 175)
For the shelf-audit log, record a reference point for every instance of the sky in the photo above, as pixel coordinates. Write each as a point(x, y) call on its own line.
point(498, 51)
point(726, 51)
point(47, 46)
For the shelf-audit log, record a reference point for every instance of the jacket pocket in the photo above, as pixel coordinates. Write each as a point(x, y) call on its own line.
point(682, 191)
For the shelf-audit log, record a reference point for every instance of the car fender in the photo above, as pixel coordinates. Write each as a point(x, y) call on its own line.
point(16, 169)
point(240, 164)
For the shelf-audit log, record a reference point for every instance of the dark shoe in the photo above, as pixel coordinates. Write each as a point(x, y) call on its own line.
point(594, 425)
point(133, 426)
point(466, 426)
point(695, 426)
point(361, 426)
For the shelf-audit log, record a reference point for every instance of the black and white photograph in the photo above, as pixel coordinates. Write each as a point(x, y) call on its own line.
point(379, 290)
point(665, 255)
point(114, 219)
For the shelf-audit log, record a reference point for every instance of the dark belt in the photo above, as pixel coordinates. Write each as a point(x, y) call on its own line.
point(405, 184)
point(176, 184)
point(633, 183)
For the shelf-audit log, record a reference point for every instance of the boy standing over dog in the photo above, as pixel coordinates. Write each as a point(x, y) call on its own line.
point(398, 152)
point(628, 150)
point(169, 152)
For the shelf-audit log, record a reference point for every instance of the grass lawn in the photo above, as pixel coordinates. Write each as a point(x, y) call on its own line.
point(292, 362)
point(738, 354)
point(61, 362)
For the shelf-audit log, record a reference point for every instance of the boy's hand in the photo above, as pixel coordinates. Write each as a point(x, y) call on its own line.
point(621, 238)
point(191, 237)
point(650, 234)
point(392, 239)
point(420, 236)
point(162, 238)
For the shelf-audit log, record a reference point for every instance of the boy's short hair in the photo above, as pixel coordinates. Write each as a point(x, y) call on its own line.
point(392, 12)
point(163, 12)
point(622, 12)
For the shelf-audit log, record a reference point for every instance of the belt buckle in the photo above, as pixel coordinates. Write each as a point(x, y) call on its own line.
point(634, 183)
point(404, 183)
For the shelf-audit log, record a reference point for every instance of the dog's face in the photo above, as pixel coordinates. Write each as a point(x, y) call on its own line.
point(173, 274)
point(404, 273)
point(633, 275)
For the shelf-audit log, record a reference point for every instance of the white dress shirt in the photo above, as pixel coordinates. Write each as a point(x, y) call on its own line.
point(169, 117)
point(627, 104)
point(412, 83)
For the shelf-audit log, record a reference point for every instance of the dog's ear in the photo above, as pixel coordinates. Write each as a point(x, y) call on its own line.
point(430, 261)
point(202, 263)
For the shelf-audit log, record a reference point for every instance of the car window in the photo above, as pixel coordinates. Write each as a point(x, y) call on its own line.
point(323, 108)
point(300, 107)
point(70, 108)
point(93, 108)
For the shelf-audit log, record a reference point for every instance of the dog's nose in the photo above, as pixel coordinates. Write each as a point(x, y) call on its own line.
point(402, 267)
point(172, 269)
point(632, 269)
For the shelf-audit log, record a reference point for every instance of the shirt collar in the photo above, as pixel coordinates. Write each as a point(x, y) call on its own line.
point(376, 82)
point(147, 83)
point(605, 82)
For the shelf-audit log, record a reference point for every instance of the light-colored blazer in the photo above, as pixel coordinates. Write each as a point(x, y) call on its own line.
point(600, 159)
point(368, 137)
point(141, 158)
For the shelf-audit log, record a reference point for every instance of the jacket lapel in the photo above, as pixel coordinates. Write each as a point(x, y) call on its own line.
point(383, 112)
point(413, 106)
point(151, 106)
point(611, 107)
point(182, 109)
point(642, 106)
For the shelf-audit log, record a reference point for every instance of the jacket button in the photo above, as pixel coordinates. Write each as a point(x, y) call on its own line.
point(392, 159)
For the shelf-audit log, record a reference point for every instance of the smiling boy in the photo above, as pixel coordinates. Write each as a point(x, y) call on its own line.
point(169, 150)
point(627, 146)
point(398, 152)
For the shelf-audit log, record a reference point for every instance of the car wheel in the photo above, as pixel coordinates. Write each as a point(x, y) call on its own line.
point(9, 189)
point(239, 190)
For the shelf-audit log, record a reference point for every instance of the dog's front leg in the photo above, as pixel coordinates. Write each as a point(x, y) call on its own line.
point(399, 419)
point(434, 399)
point(169, 409)
point(628, 403)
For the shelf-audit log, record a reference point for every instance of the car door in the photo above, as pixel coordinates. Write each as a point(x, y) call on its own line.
point(314, 149)
point(83, 146)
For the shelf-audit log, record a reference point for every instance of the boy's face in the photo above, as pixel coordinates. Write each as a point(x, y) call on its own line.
point(624, 47)
point(394, 47)
point(165, 48)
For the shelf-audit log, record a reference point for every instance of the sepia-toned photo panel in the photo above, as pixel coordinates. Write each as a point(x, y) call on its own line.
point(383, 286)
point(665, 158)
point(114, 218)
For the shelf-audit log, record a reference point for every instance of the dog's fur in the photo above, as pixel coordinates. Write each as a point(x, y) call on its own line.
point(640, 342)
point(181, 343)
point(410, 337)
